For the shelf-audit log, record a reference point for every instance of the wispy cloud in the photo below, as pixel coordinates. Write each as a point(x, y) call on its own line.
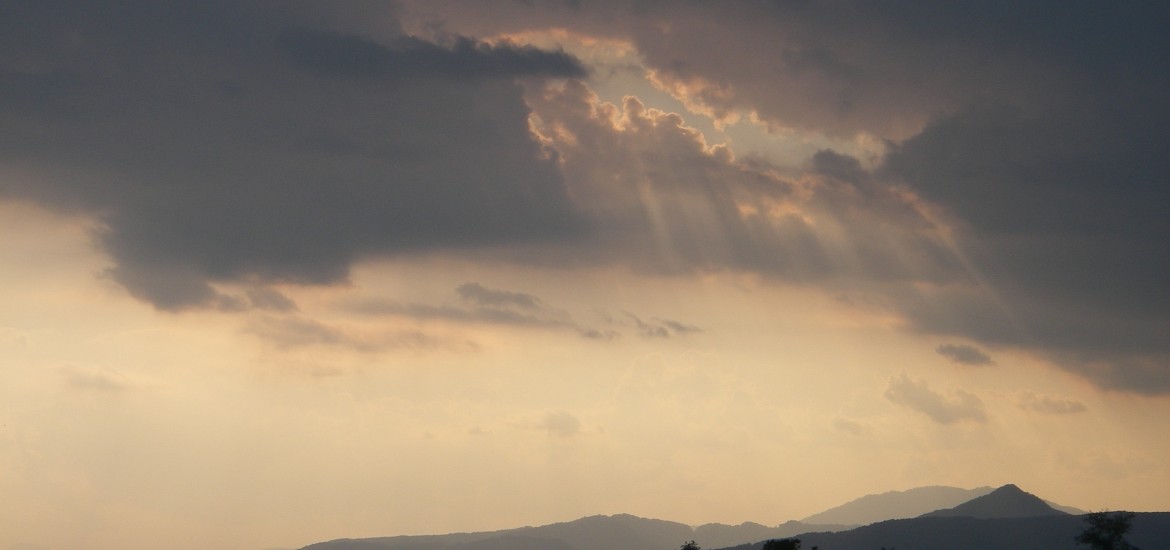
point(960, 406)
point(657, 327)
point(101, 379)
point(1050, 405)
point(560, 424)
point(290, 332)
point(480, 304)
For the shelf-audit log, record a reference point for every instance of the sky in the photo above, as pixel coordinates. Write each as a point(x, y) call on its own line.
point(281, 272)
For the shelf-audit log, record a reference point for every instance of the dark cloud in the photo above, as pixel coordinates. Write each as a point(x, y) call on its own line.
point(964, 354)
point(961, 406)
point(1040, 146)
point(665, 201)
point(1060, 213)
point(209, 156)
point(340, 54)
point(1020, 203)
point(857, 66)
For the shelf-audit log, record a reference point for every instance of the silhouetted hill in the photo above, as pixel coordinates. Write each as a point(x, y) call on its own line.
point(1150, 531)
point(715, 535)
point(619, 532)
point(896, 505)
point(1008, 501)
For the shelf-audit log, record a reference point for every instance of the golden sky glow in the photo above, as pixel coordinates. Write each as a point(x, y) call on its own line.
point(723, 314)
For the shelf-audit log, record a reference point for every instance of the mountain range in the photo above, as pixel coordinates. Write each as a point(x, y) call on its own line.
point(1004, 518)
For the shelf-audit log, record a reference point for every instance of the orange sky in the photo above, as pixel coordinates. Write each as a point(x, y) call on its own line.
point(718, 312)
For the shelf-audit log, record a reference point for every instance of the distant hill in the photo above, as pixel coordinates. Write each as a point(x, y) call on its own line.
point(1055, 532)
point(618, 532)
point(896, 505)
point(1008, 501)
point(1004, 518)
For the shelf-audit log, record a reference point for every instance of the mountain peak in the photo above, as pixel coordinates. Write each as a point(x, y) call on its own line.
point(1008, 501)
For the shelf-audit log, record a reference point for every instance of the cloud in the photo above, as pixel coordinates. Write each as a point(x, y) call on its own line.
point(269, 299)
point(1018, 203)
point(100, 379)
point(961, 406)
point(599, 334)
point(1058, 216)
point(1050, 405)
point(504, 307)
point(293, 332)
point(477, 294)
point(657, 327)
point(964, 354)
point(853, 66)
point(339, 54)
point(223, 161)
point(851, 427)
point(1029, 167)
point(482, 305)
point(663, 200)
point(560, 424)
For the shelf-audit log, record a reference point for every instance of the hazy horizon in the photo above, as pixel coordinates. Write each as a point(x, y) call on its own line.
point(281, 272)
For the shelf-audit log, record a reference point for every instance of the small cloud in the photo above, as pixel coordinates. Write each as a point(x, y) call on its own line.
point(290, 332)
point(95, 379)
point(677, 327)
point(479, 295)
point(658, 327)
point(560, 424)
point(1050, 405)
point(916, 394)
point(965, 355)
point(850, 426)
point(598, 334)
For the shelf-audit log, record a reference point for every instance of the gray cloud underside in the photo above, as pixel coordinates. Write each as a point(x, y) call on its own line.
point(1038, 128)
point(212, 150)
point(221, 143)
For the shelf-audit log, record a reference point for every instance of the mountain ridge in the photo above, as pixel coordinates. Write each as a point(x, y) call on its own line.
point(1008, 501)
point(630, 532)
point(909, 503)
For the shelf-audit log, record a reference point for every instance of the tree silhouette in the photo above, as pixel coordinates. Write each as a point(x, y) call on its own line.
point(1106, 531)
point(690, 546)
point(782, 544)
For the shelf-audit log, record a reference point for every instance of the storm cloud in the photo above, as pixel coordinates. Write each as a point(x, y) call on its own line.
point(1018, 200)
point(218, 143)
